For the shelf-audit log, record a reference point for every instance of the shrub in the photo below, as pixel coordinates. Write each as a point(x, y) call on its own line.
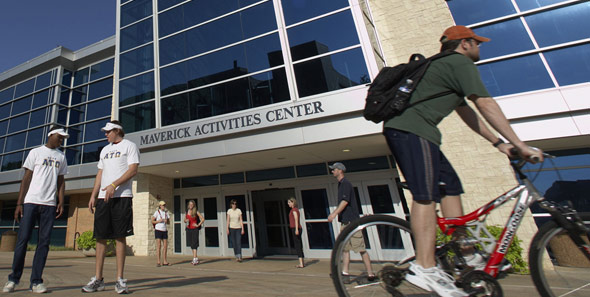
point(87, 241)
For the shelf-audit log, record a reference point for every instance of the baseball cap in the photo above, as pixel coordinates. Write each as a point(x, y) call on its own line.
point(338, 165)
point(461, 32)
point(59, 131)
point(110, 126)
point(162, 203)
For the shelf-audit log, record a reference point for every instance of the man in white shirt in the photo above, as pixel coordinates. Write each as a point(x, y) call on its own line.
point(113, 218)
point(45, 168)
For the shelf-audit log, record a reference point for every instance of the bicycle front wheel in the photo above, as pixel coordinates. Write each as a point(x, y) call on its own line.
point(558, 266)
point(377, 244)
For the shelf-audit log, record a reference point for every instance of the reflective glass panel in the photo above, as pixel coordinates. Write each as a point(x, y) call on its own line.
point(570, 65)
point(18, 123)
point(135, 11)
point(211, 237)
point(330, 73)
point(92, 130)
point(515, 75)
point(137, 34)
point(100, 89)
point(270, 174)
point(77, 114)
point(101, 69)
point(299, 10)
point(174, 78)
point(12, 161)
point(322, 35)
point(64, 97)
point(5, 111)
point(320, 235)
point(15, 142)
point(43, 81)
point(81, 76)
point(38, 117)
point(3, 127)
point(75, 134)
point(175, 109)
point(35, 137)
point(173, 48)
point(66, 78)
point(316, 204)
point(21, 105)
point(137, 60)
point(138, 117)
point(79, 95)
point(92, 151)
point(136, 89)
point(200, 181)
point(24, 88)
point(466, 12)
point(163, 4)
point(311, 170)
point(97, 109)
point(269, 87)
point(6, 95)
point(507, 37)
point(561, 25)
point(530, 4)
point(73, 154)
point(232, 178)
point(380, 199)
point(1, 145)
point(40, 99)
point(62, 116)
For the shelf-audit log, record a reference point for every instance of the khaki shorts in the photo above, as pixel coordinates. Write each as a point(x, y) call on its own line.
point(356, 243)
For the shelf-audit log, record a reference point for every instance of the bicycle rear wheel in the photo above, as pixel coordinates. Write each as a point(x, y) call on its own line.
point(388, 242)
point(558, 266)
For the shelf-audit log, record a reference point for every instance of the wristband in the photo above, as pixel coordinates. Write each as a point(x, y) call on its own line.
point(114, 187)
point(497, 143)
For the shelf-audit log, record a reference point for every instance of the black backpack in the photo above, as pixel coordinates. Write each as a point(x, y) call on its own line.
point(390, 92)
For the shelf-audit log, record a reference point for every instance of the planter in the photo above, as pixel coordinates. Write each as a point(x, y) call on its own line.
point(91, 252)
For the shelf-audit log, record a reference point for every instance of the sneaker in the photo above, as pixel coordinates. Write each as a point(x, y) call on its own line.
point(433, 279)
point(476, 260)
point(346, 279)
point(94, 285)
point(39, 288)
point(9, 287)
point(121, 286)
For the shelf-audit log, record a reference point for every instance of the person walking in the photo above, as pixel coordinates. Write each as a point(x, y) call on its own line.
point(348, 212)
point(235, 228)
point(160, 219)
point(414, 140)
point(193, 220)
point(45, 168)
point(113, 217)
point(295, 226)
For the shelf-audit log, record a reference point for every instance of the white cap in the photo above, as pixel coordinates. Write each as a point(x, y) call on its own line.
point(59, 131)
point(110, 126)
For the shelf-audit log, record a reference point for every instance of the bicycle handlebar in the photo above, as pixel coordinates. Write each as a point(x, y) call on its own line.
point(516, 156)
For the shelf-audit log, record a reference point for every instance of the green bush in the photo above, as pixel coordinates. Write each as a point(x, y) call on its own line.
point(87, 241)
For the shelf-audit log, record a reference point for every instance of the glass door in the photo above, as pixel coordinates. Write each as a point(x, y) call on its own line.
point(245, 205)
point(271, 218)
point(318, 236)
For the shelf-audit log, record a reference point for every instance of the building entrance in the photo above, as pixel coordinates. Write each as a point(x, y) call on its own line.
point(271, 218)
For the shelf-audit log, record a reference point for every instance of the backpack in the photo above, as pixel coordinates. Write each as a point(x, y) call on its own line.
point(389, 93)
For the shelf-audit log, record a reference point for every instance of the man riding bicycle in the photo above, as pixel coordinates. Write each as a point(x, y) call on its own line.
point(414, 140)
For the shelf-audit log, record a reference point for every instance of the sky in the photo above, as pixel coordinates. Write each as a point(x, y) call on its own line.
point(29, 28)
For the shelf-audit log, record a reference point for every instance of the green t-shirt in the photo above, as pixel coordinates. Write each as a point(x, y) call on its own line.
point(455, 72)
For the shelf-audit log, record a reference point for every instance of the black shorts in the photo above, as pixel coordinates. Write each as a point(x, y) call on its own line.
point(192, 238)
point(161, 234)
point(423, 165)
point(114, 219)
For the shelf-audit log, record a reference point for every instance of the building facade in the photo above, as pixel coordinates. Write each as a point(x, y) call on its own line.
point(251, 100)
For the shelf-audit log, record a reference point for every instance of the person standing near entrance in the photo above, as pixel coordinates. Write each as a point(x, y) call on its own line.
point(160, 219)
point(296, 231)
point(193, 220)
point(45, 168)
point(235, 228)
point(347, 212)
point(113, 218)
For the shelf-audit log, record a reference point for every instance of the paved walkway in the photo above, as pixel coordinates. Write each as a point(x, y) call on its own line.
point(67, 272)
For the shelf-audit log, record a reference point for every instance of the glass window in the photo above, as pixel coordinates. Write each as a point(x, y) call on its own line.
point(92, 130)
point(100, 89)
point(212, 237)
point(3, 126)
point(173, 49)
point(232, 178)
point(6, 95)
point(200, 181)
point(299, 10)
point(135, 11)
point(136, 89)
point(365, 164)
point(79, 95)
point(380, 199)
point(66, 78)
point(137, 60)
point(77, 114)
point(40, 99)
point(5, 111)
point(270, 174)
point(515, 75)
point(269, 87)
point(24, 88)
point(528, 4)
point(507, 37)
point(62, 116)
point(570, 65)
point(210, 210)
point(75, 133)
point(21, 105)
point(92, 151)
point(322, 35)
point(1, 146)
point(264, 52)
point(316, 204)
point(35, 137)
point(43, 81)
point(311, 170)
point(560, 25)
point(73, 154)
point(38, 117)
point(12, 161)
point(320, 235)
point(102, 69)
point(174, 78)
point(175, 109)
point(64, 97)
point(330, 73)
point(81, 76)
point(163, 4)
point(18, 123)
point(466, 12)
point(137, 34)
point(138, 117)
point(100, 108)
point(15, 142)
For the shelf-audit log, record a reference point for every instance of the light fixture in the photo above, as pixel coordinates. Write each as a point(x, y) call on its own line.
point(345, 150)
point(281, 158)
point(176, 171)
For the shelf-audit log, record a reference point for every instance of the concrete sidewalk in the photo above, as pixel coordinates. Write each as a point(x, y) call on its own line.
point(66, 273)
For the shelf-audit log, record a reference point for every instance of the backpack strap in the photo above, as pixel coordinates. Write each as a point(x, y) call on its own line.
point(432, 58)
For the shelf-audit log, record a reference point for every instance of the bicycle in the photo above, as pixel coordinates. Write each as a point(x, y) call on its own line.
point(559, 242)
